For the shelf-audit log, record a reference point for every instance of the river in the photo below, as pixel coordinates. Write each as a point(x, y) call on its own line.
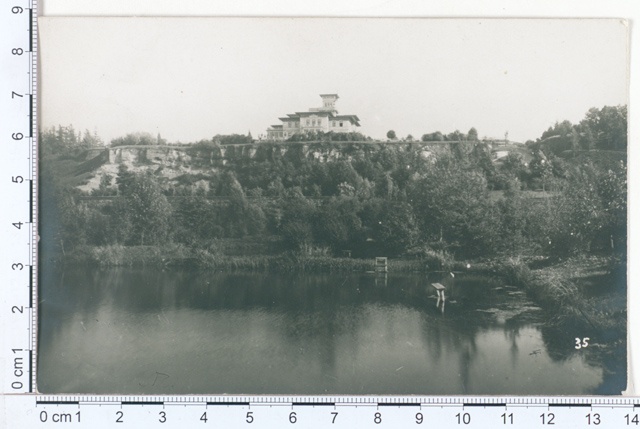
point(149, 331)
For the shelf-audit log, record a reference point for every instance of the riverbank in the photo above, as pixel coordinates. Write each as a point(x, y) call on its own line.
point(172, 255)
point(587, 290)
point(585, 299)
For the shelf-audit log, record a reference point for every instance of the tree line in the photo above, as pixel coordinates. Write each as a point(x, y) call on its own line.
point(372, 200)
point(600, 129)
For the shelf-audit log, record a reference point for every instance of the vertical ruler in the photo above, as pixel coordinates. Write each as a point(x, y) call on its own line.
point(18, 190)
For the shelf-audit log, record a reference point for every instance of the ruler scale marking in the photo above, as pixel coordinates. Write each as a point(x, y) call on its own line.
point(30, 29)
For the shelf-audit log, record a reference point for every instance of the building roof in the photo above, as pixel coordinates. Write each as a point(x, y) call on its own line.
point(323, 113)
point(352, 118)
point(279, 127)
point(322, 109)
point(318, 113)
point(329, 95)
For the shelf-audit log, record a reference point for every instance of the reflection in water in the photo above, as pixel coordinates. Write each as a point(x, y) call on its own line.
point(148, 331)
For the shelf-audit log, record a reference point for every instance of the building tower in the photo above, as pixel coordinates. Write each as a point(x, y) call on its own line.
point(329, 102)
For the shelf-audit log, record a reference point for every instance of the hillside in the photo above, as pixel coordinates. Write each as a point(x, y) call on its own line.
point(181, 164)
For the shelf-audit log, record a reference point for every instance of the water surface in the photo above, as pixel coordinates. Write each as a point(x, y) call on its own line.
point(149, 331)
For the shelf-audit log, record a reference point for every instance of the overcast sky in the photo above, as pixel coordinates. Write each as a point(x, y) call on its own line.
point(192, 78)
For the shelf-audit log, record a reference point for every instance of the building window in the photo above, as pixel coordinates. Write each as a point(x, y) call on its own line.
point(340, 123)
point(308, 122)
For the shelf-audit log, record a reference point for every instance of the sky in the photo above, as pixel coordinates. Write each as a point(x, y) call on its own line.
point(191, 78)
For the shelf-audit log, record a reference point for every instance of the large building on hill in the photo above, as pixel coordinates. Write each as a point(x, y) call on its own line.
point(325, 119)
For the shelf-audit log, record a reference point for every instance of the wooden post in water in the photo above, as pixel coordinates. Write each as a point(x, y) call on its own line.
point(440, 291)
point(381, 264)
point(381, 269)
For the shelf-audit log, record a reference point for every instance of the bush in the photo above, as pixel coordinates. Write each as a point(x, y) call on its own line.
point(433, 260)
point(514, 271)
point(110, 256)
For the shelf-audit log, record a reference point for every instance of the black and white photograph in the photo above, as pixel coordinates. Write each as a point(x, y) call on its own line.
point(332, 206)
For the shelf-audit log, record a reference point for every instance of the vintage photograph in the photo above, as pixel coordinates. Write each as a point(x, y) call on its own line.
point(311, 206)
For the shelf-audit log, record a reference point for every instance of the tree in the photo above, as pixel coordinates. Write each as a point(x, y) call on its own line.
point(391, 135)
point(197, 219)
point(391, 225)
point(105, 188)
point(61, 141)
point(513, 217)
point(609, 126)
point(472, 134)
point(148, 209)
point(575, 140)
point(339, 173)
point(541, 171)
point(232, 139)
point(160, 140)
point(587, 140)
point(513, 166)
point(456, 136)
point(298, 215)
point(135, 139)
point(436, 137)
point(562, 129)
point(91, 140)
point(452, 206)
point(124, 179)
point(337, 223)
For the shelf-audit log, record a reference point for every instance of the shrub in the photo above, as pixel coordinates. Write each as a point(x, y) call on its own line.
point(515, 271)
point(433, 260)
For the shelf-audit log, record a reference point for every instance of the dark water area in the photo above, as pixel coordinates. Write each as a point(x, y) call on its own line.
point(148, 331)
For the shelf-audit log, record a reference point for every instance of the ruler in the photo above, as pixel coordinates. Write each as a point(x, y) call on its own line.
point(18, 185)
point(320, 412)
point(22, 406)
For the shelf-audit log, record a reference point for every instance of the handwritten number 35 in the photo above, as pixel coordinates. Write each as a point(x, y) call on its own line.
point(582, 343)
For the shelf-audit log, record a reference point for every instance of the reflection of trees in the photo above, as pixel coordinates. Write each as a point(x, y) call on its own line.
point(467, 356)
point(559, 342)
point(512, 333)
point(314, 311)
point(454, 335)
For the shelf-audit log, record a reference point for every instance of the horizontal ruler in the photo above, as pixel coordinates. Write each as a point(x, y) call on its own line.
point(321, 412)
